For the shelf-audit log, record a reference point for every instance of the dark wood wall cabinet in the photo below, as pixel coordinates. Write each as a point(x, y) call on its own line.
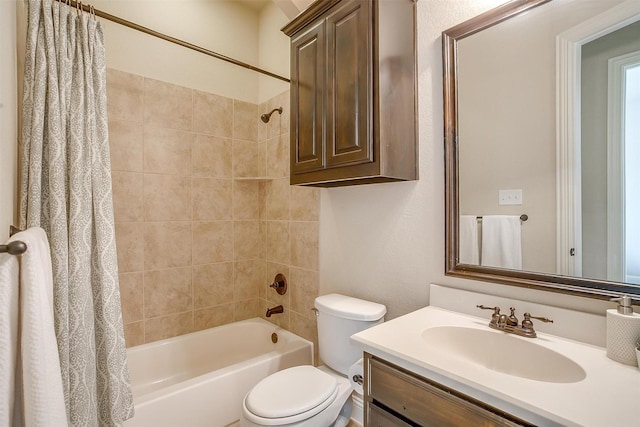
point(395, 397)
point(353, 92)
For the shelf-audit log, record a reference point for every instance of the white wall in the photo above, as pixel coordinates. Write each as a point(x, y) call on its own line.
point(8, 116)
point(385, 242)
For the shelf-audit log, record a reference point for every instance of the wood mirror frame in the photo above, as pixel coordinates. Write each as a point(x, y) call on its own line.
point(542, 281)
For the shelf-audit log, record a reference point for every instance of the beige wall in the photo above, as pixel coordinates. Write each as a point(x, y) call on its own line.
point(386, 242)
point(8, 117)
point(197, 244)
point(273, 51)
point(227, 27)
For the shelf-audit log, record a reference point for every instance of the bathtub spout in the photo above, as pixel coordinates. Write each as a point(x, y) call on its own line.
point(274, 310)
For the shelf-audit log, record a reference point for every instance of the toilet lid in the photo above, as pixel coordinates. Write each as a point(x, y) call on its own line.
point(290, 392)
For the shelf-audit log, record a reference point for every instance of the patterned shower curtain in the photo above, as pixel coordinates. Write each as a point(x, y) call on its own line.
point(66, 189)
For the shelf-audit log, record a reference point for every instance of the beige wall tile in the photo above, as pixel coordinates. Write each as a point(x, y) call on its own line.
point(167, 292)
point(248, 159)
point(305, 203)
point(247, 242)
point(173, 325)
point(131, 292)
point(304, 290)
point(263, 237)
point(273, 127)
point(167, 245)
point(246, 200)
point(130, 246)
point(125, 96)
point(212, 156)
point(249, 277)
point(212, 242)
point(212, 114)
point(212, 199)
point(247, 309)
point(213, 316)
point(167, 105)
point(278, 242)
point(245, 120)
point(134, 334)
point(210, 245)
point(167, 198)
point(125, 146)
point(262, 199)
point(127, 196)
point(304, 245)
point(270, 294)
point(284, 99)
point(307, 328)
point(278, 163)
point(279, 123)
point(262, 127)
point(167, 151)
point(278, 195)
point(212, 284)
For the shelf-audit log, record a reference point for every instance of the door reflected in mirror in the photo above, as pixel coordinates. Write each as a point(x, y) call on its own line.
point(542, 100)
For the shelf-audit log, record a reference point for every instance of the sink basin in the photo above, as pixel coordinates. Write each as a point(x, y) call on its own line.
point(503, 353)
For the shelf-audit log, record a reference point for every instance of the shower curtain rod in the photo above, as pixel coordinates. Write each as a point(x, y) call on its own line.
point(133, 25)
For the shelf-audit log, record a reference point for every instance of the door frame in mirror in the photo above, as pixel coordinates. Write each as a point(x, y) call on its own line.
point(550, 282)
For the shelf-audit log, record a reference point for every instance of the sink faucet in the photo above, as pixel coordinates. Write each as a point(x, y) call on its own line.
point(509, 324)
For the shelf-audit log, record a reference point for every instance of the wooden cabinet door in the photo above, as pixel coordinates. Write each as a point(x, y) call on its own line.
point(307, 100)
point(348, 119)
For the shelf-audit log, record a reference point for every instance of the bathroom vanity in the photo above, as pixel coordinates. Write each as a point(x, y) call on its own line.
point(396, 397)
point(439, 367)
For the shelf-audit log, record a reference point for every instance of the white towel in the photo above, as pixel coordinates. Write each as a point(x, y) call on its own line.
point(39, 393)
point(469, 252)
point(8, 334)
point(501, 241)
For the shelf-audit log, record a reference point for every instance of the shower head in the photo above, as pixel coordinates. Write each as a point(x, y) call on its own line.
point(265, 117)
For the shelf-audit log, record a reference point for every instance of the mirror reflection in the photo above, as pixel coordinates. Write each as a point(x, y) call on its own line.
point(548, 125)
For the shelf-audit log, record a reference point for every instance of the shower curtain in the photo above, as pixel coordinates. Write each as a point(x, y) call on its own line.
point(66, 190)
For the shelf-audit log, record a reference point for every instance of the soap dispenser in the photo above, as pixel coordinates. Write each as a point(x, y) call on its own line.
point(623, 332)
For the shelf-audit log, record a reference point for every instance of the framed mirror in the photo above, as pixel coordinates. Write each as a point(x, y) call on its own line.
point(542, 146)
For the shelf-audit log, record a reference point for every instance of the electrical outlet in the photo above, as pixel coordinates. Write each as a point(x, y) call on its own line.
point(510, 197)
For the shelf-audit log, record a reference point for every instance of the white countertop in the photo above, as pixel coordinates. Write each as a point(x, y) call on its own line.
point(608, 397)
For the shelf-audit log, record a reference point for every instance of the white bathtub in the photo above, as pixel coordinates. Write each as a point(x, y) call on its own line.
point(200, 379)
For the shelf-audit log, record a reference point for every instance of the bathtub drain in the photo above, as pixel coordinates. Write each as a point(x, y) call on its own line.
point(274, 338)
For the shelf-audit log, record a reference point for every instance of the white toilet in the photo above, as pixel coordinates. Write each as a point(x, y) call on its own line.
point(310, 396)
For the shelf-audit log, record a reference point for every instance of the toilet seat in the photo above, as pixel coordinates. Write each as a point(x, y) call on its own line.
point(290, 395)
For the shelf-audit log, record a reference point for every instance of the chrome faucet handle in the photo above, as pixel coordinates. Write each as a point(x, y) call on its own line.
point(528, 316)
point(484, 307)
point(527, 324)
point(495, 317)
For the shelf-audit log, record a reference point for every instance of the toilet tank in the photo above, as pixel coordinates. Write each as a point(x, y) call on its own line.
point(339, 317)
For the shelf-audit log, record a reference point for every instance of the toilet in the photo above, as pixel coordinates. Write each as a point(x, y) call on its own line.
point(310, 396)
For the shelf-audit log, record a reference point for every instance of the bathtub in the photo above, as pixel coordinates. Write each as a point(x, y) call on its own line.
point(200, 379)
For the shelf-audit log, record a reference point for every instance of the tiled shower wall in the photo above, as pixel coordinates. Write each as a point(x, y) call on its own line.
point(199, 239)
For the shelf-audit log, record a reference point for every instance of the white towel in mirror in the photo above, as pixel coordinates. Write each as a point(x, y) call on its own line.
point(501, 241)
point(469, 252)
